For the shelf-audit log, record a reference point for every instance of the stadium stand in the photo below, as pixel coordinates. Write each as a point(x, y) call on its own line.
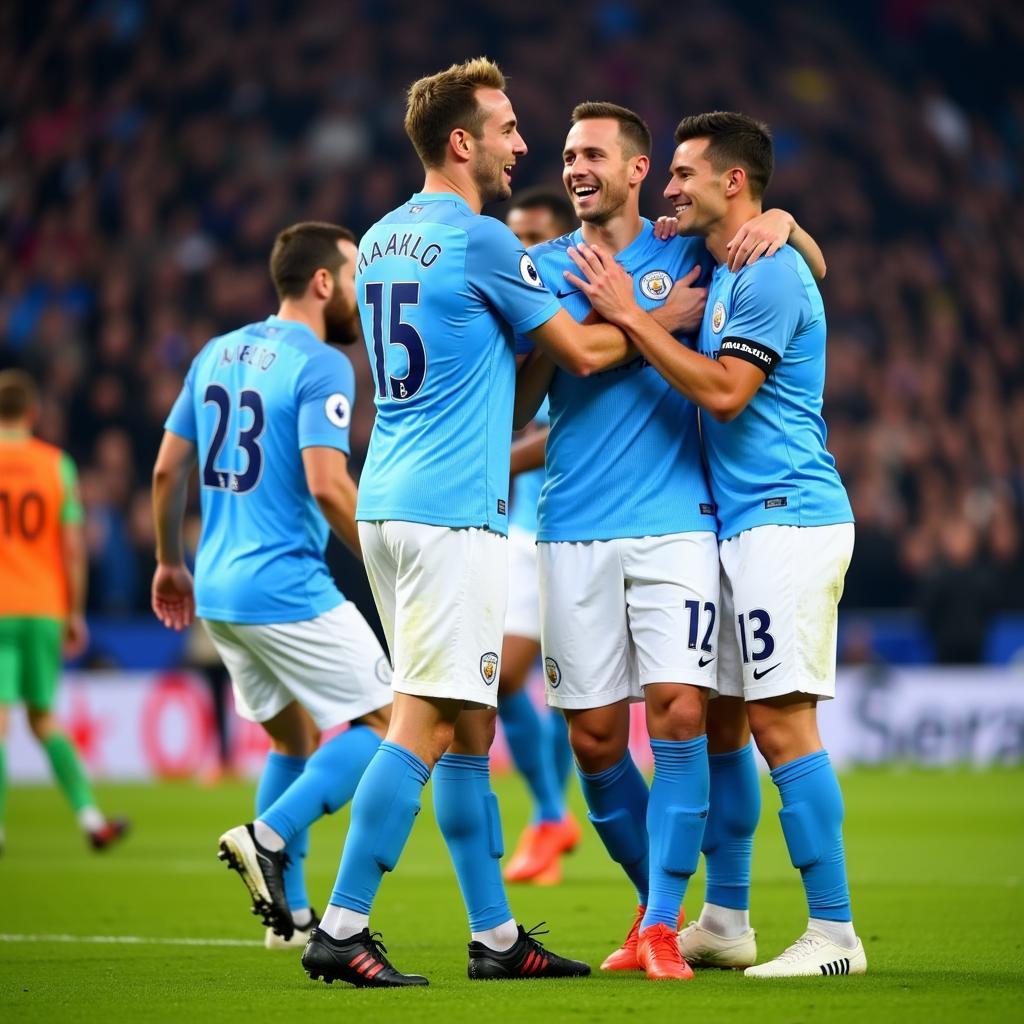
point(150, 151)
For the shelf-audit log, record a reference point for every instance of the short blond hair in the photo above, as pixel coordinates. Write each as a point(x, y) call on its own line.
point(440, 103)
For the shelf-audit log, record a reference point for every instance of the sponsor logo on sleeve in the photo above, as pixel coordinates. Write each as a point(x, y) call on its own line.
point(655, 285)
point(528, 272)
point(338, 410)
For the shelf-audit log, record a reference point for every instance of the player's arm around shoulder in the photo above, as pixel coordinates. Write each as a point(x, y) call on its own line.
point(334, 491)
point(171, 596)
point(580, 349)
point(722, 387)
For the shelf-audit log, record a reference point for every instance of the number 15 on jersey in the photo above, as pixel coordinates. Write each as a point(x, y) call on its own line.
point(390, 309)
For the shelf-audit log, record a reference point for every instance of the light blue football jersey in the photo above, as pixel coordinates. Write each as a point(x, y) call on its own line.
point(770, 465)
point(526, 487)
point(442, 292)
point(252, 400)
point(623, 455)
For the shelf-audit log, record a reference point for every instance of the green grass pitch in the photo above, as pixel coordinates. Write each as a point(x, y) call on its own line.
point(936, 863)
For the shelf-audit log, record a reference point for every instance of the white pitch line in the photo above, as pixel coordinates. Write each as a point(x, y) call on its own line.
point(129, 940)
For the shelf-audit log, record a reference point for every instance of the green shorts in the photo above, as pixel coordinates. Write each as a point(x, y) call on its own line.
point(30, 660)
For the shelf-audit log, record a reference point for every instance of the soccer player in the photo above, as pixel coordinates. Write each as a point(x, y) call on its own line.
point(267, 409)
point(627, 548)
point(442, 292)
point(539, 744)
point(786, 527)
point(43, 574)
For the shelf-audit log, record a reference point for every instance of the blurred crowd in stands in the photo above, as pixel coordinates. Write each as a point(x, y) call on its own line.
point(150, 150)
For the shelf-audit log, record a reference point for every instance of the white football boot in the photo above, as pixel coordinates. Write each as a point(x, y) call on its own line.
point(813, 955)
point(701, 948)
point(298, 940)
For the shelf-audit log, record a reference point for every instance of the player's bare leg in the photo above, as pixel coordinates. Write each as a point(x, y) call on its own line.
point(786, 732)
point(722, 936)
point(553, 831)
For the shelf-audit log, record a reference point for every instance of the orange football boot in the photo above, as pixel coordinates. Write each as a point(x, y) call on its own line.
point(539, 848)
point(625, 957)
point(657, 952)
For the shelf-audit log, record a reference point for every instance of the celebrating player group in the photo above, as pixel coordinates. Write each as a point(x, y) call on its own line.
point(692, 538)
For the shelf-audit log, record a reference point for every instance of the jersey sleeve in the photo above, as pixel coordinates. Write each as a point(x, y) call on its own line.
point(326, 395)
point(499, 269)
point(767, 304)
point(71, 507)
point(182, 418)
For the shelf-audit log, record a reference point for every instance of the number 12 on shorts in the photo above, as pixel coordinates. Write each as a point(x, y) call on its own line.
point(758, 621)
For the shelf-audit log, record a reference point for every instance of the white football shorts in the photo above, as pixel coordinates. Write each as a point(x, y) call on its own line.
point(441, 594)
point(619, 614)
point(781, 587)
point(332, 665)
point(522, 618)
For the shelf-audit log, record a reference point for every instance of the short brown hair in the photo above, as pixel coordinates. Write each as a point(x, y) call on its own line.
point(440, 103)
point(733, 140)
point(541, 198)
point(303, 249)
point(17, 395)
point(634, 135)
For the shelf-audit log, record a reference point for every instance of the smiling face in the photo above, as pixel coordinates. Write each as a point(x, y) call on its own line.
point(596, 172)
point(497, 148)
point(341, 314)
point(695, 190)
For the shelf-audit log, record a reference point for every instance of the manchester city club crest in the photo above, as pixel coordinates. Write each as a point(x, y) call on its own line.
point(489, 667)
point(655, 285)
point(553, 672)
point(718, 317)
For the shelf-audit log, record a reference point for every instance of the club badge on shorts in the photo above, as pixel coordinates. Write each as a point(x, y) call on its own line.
point(553, 672)
point(489, 667)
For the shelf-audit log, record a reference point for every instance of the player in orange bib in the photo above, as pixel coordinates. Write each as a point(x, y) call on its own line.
point(42, 595)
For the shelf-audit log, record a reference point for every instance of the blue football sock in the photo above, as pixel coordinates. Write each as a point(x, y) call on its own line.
point(735, 808)
point(280, 772)
point(557, 735)
point(467, 814)
point(617, 798)
point(676, 815)
point(384, 808)
point(812, 823)
point(524, 732)
point(327, 784)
